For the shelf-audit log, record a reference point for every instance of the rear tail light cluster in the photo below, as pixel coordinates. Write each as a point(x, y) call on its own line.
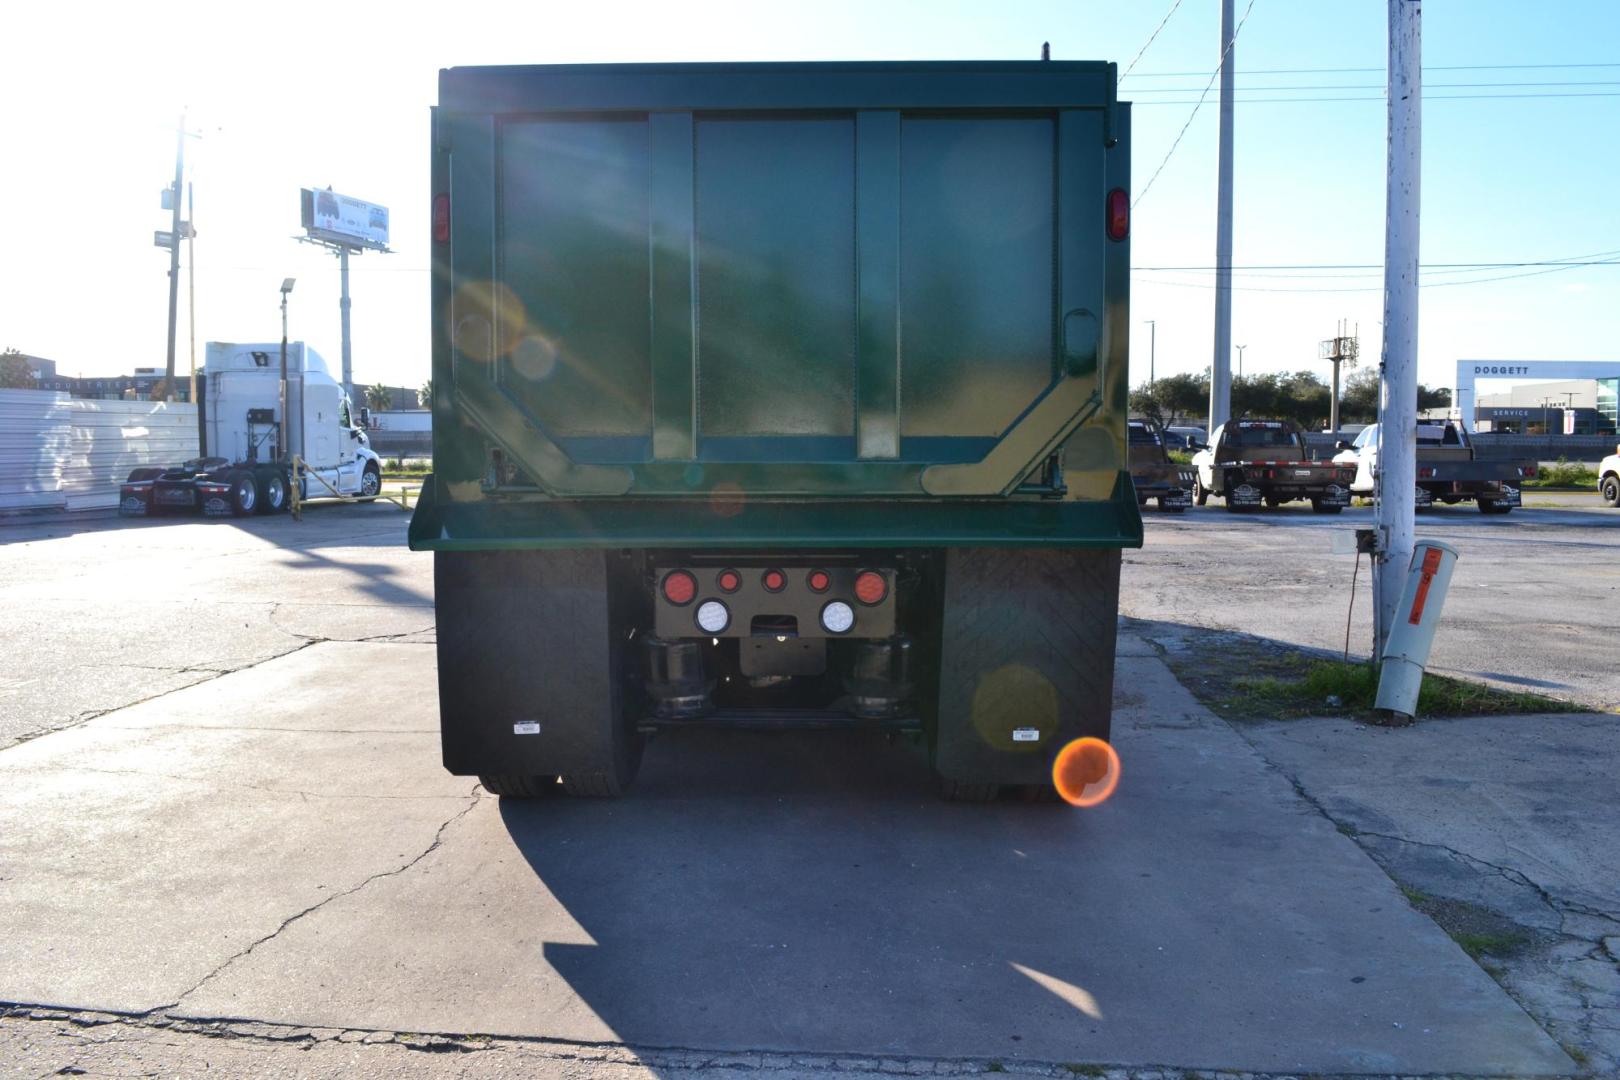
point(1426, 472)
point(702, 591)
point(1527, 470)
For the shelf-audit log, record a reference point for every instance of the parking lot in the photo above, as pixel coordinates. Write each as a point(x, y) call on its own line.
point(228, 843)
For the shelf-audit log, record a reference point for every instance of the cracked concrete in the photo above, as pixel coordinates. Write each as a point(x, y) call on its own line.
point(1513, 814)
point(52, 1042)
point(100, 613)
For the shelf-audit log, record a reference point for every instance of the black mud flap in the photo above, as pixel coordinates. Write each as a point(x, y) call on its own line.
point(1027, 660)
point(1336, 495)
point(530, 675)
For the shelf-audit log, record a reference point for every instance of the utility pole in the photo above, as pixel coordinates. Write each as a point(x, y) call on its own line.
point(174, 245)
point(191, 289)
point(1153, 348)
point(1220, 371)
point(1397, 430)
point(1342, 348)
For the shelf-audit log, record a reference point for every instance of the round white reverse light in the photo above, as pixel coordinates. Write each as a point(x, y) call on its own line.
point(712, 616)
point(838, 617)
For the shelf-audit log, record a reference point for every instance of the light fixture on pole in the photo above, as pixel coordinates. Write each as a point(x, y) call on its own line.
point(282, 433)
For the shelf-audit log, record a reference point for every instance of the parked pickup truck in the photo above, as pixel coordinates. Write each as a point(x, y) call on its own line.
point(1609, 478)
point(1249, 462)
point(690, 472)
point(1152, 471)
point(1448, 469)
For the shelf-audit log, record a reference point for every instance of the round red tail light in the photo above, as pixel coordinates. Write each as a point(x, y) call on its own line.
point(819, 581)
point(679, 587)
point(729, 581)
point(870, 587)
point(774, 581)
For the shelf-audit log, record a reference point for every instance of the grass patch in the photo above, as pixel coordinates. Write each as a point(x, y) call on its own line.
point(1477, 945)
point(1563, 474)
point(1241, 677)
point(1181, 457)
point(1084, 1070)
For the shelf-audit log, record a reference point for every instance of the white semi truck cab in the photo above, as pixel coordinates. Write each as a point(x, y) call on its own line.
point(249, 438)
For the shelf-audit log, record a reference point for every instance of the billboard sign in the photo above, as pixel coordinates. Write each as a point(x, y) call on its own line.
point(342, 219)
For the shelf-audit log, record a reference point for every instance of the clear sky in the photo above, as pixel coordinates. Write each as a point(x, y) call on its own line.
point(298, 94)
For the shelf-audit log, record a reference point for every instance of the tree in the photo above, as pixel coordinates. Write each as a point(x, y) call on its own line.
point(15, 374)
point(424, 395)
point(378, 397)
point(1359, 402)
point(1172, 398)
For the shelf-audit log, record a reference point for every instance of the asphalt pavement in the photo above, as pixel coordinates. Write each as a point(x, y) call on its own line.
point(223, 813)
point(1531, 604)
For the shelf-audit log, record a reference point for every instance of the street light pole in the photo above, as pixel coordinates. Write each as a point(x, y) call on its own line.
point(1240, 349)
point(286, 441)
point(1153, 348)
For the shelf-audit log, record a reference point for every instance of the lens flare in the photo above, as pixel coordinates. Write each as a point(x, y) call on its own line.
point(1086, 772)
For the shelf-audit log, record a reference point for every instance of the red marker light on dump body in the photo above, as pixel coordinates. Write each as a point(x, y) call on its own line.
point(774, 581)
point(441, 218)
point(1119, 214)
point(729, 581)
point(819, 581)
point(679, 587)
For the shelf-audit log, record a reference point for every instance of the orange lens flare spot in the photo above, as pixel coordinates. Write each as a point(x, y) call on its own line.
point(1086, 772)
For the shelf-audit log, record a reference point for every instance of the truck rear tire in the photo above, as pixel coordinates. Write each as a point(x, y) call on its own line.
point(520, 787)
point(1026, 663)
point(272, 492)
point(1200, 492)
point(244, 493)
point(532, 670)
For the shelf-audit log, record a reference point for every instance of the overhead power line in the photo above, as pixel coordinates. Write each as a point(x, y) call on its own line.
point(1374, 288)
point(1363, 70)
point(1236, 30)
point(1175, 4)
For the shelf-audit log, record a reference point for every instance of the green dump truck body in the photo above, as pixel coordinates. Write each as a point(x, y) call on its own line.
point(813, 304)
point(777, 395)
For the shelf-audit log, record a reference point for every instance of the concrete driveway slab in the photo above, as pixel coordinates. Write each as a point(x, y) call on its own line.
point(808, 894)
point(135, 860)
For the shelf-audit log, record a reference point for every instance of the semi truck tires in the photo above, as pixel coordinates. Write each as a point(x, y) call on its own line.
point(531, 673)
point(370, 481)
point(272, 492)
point(521, 787)
point(244, 494)
point(1026, 664)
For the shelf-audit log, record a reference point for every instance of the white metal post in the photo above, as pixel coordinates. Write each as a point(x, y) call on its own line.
point(343, 307)
point(1220, 369)
point(1397, 431)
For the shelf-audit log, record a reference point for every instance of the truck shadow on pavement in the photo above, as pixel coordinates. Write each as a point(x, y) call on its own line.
point(809, 893)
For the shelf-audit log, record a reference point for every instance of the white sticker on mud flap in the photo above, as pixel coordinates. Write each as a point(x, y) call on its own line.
point(1026, 734)
point(526, 727)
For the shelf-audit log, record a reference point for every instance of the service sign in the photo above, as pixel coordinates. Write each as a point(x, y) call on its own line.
point(326, 215)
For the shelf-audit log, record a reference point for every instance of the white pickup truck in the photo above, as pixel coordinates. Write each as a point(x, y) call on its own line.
point(245, 465)
point(1609, 478)
point(1448, 468)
